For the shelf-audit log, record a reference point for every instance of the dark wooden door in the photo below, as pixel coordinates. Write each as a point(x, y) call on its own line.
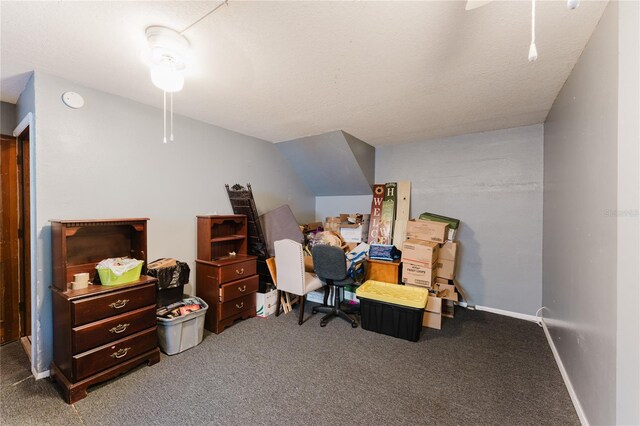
point(14, 239)
point(24, 233)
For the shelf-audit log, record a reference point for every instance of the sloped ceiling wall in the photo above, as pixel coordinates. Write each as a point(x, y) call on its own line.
point(334, 163)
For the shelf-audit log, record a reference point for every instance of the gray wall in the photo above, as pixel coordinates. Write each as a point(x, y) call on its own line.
point(492, 182)
point(107, 160)
point(7, 118)
point(628, 314)
point(580, 242)
point(333, 163)
point(336, 205)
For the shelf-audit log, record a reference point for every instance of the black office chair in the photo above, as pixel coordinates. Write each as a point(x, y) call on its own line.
point(330, 264)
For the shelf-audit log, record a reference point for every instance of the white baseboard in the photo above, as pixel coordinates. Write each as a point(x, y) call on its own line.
point(567, 382)
point(40, 375)
point(518, 315)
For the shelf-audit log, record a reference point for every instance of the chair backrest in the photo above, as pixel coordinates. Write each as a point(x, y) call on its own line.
point(329, 262)
point(290, 266)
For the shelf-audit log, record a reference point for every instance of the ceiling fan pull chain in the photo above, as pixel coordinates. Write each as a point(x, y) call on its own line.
point(164, 115)
point(171, 136)
point(533, 51)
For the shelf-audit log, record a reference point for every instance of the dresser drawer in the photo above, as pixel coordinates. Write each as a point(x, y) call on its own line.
point(96, 360)
point(237, 271)
point(239, 288)
point(235, 306)
point(98, 333)
point(96, 308)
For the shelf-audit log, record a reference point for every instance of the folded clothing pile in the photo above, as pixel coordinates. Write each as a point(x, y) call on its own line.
point(179, 309)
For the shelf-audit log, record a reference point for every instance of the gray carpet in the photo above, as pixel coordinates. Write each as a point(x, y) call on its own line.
point(480, 368)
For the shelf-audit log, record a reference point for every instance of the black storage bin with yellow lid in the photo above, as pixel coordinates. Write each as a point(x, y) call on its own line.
point(392, 309)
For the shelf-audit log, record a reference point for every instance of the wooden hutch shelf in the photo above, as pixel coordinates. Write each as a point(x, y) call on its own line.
point(99, 332)
point(226, 277)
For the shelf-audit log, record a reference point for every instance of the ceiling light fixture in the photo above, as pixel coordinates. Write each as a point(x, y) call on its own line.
point(166, 57)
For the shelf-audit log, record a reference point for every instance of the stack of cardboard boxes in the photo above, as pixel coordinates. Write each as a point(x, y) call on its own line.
point(352, 227)
point(429, 260)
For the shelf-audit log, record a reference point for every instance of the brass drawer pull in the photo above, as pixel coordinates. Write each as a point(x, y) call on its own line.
point(120, 353)
point(119, 328)
point(119, 304)
point(240, 271)
point(240, 306)
point(242, 289)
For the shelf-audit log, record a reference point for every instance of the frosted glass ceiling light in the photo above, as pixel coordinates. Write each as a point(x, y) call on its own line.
point(167, 78)
point(166, 58)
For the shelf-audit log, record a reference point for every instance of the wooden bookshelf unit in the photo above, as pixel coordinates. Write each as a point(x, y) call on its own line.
point(226, 277)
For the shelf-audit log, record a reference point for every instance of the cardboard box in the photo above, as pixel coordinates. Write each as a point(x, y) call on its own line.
point(448, 308)
point(442, 280)
point(446, 268)
point(349, 247)
point(434, 303)
point(427, 230)
point(418, 275)
point(266, 303)
point(354, 233)
point(448, 251)
point(446, 291)
point(420, 252)
point(354, 218)
point(454, 224)
point(332, 224)
point(312, 226)
point(432, 316)
point(432, 320)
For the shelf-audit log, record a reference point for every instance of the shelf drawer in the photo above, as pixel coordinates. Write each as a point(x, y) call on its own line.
point(96, 308)
point(239, 288)
point(99, 333)
point(235, 306)
point(94, 361)
point(237, 271)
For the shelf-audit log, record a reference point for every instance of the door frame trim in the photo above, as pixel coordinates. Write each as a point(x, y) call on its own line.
point(28, 121)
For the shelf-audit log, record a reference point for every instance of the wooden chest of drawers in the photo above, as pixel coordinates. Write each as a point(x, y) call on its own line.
point(226, 277)
point(101, 332)
point(229, 288)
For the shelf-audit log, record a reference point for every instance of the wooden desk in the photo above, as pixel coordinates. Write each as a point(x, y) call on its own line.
point(378, 270)
point(383, 270)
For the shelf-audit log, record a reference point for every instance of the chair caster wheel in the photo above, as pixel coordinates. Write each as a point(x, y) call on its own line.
point(313, 311)
point(354, 325)
point(322, 324)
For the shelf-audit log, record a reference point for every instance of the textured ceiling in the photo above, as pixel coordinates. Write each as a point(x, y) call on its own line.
point(387, 72)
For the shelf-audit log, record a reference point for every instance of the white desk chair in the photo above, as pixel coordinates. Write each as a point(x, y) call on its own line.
point(292, 277)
